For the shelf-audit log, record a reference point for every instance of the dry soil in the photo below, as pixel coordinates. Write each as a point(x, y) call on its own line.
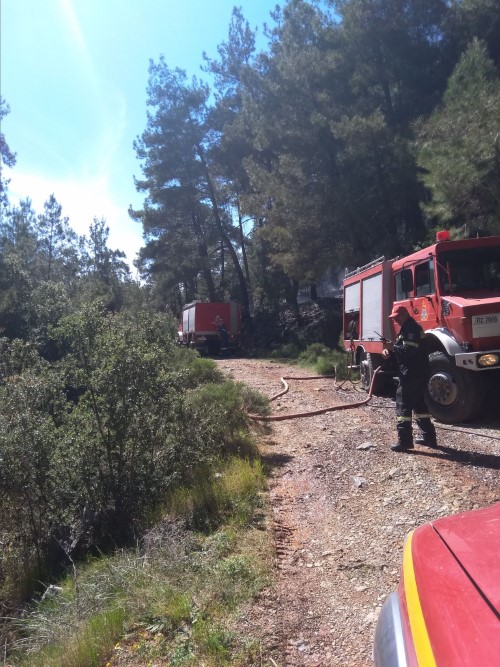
point(341, 505)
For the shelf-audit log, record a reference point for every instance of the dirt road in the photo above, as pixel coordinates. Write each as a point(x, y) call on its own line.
point(342, 503)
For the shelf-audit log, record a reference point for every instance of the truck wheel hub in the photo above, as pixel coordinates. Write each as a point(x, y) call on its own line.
point(365, 371)
point(443, 389)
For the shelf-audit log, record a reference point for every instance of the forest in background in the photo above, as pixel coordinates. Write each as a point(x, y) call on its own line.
point(362, 127)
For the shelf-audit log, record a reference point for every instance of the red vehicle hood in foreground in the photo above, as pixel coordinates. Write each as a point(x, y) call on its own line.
point(447, 609)
point(451, 589)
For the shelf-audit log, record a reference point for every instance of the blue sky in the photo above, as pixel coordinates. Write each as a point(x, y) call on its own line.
point(74, 73)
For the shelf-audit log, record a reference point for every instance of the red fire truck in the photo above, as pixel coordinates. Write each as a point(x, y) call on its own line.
point(210, 327)
point(452, 289)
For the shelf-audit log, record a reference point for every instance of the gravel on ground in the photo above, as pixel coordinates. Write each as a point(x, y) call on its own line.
point(341, 505)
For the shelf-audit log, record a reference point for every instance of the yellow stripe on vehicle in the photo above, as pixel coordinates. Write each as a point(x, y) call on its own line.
point(421, 642)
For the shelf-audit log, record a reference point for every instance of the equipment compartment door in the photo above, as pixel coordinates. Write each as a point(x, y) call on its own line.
point(371, 307)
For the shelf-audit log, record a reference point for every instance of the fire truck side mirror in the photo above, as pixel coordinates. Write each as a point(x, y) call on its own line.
point(406, 280)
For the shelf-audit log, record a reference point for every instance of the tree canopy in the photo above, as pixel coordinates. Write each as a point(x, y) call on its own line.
point(361, 127)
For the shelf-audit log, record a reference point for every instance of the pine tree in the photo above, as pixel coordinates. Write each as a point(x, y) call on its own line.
point(459, 146)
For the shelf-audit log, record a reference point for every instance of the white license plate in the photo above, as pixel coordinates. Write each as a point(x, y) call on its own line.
point(484, 326)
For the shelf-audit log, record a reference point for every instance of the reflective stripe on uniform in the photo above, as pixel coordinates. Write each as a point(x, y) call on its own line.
point(404, 419)
point(422, 416)
point(408, 343)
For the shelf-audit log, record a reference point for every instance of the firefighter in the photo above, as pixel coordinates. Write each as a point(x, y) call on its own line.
point(224, 336)
point(353, 329)
point(413, 369)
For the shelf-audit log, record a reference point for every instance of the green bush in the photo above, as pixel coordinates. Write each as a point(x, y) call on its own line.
point(325, 361)
point(172, 593)
point(313, 353)
point(32, 408)
point(254, 401)
point(93, 444)
point(326, 365)
point(89, 445)
point(200, 370)
point(222, 408)
point(111, 454)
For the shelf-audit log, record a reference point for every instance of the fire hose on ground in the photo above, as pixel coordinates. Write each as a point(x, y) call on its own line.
point(312, 413)
point(345, 406)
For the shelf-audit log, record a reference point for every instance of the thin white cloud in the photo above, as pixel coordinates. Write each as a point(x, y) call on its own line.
point(112, 132)
point(82, 158)
point(77, 39)
point(97, 163)
point(87, 177)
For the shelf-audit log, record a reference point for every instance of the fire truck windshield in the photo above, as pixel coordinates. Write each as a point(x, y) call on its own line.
point(469, 269)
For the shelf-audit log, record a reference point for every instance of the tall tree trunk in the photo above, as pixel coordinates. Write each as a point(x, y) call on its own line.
point(291, 298)
point(243, 245)
point(203, 253)
point(245, 302)
point(244, 255)
point(222, 266)
point(385, 83)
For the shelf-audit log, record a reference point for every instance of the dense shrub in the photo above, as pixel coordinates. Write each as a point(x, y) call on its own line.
point(313, 353)
point(325, 361)
point(32, 406)
point(89, 444)
point(169, 590)
point(198, 370)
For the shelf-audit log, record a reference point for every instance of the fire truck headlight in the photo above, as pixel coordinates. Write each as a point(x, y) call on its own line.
point(488, 360)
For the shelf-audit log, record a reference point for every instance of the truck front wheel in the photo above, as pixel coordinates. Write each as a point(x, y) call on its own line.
point(453, 394)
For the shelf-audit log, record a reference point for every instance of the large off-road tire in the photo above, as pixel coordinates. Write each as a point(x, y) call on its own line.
point(453, 394)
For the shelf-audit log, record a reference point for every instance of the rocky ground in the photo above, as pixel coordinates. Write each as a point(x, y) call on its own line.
point(341, 505)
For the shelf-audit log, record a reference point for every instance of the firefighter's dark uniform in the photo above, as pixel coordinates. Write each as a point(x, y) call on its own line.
point(413, 368)
point(352, 329)
point(223, 336)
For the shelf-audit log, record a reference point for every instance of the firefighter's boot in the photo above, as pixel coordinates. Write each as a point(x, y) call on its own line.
point(427, 435)
point(426, 439)
point(405, 435)
point(402, 447)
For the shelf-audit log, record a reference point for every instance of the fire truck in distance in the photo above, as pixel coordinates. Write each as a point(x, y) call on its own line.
point(452, 289)
point(210, 328)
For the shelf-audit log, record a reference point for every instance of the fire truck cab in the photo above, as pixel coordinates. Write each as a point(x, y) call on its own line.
point(452, 289)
